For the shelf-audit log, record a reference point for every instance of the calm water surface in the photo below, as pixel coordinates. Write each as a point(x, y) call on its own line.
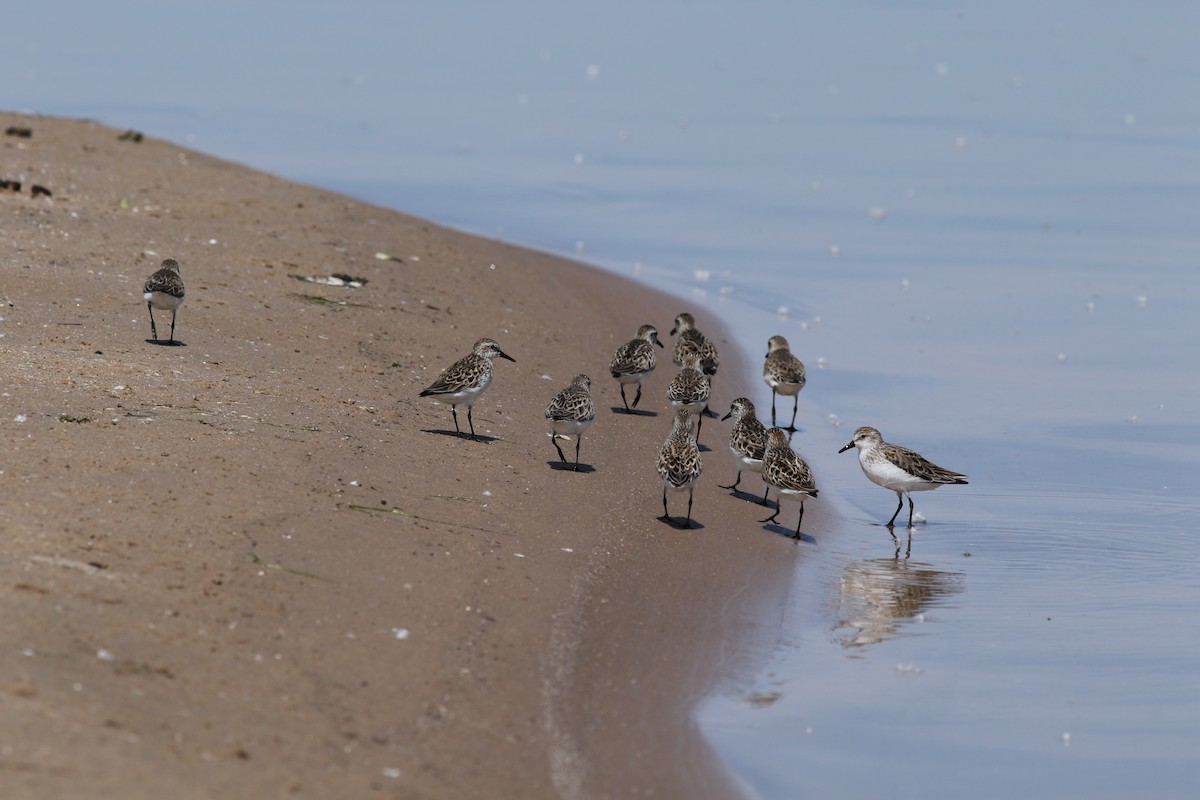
point(977, 225)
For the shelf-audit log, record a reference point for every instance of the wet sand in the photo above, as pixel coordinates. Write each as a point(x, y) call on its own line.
point(259, 565)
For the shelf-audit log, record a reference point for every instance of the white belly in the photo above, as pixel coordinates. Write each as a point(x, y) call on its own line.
point(889, 476)
point(789, 389)
point(745, 462)
point(466, 396)
point(163, 301)
point(570, 427)
point(794, 495)
point(695, 408)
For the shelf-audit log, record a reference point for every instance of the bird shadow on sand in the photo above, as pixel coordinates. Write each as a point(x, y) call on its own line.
point(677, 524)
point(559, 466)
point(166, 342)
point(789, 533)
point(634, 412)
point(461, 435)
point(754, 498)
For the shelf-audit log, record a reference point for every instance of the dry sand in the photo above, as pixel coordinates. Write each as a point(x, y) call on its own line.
point(256, 566)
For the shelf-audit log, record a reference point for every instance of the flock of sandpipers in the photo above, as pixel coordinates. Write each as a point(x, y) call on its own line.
point(756, 448)
point(571, 412)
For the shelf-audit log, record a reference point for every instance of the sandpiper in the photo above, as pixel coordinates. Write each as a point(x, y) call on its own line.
point(691, 340)
point(784, 469)
point(634, 361)
point(679, 464)
point(689, 389)
point(466, 379)
point(747, 441)
point(898, 468)
point(164, 291)
point(570, 413)
point(784, 373)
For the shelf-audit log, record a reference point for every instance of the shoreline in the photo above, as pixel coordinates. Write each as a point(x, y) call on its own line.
point(254, 566)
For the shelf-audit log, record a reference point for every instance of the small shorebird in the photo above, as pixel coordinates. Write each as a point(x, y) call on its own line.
point(570, 413)
point(691, 340)
point(689, 389)
point(747, 441)
point(784, 469)
point(679, 464)
point(635, 360)
point(465, 380)
point(164, 291)
point(898, 468)
point(784, 373)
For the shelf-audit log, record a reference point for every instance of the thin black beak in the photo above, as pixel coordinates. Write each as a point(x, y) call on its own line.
point(847, 447)
point(503, 354)
point(727, 416)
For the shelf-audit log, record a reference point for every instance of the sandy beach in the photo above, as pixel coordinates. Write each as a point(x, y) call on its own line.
point(259, 565)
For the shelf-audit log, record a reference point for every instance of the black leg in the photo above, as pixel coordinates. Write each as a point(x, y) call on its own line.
point(578, 440)
point(623, 400)
point(799, 520)
point(892, 521)
point(637, 396)
point(795, 405)
point(172, 339)
point(699, 422)
point(666, 514)
point(153, 330)
point(735, 483)
point(454, 411)
point(910, 512)
point(471, 422)
point(688, 523)
point(773, 517)
point(767, 492)
point(554, 441)
point(772, 408)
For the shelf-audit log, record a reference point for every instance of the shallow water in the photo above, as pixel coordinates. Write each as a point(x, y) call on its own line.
point(976, 226)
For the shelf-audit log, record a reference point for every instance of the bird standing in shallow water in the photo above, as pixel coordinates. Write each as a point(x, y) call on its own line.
point(164, 291)
point(898, 468)
point(570, 413)
point(784, 469)
point(784, 373)
point(635, 360)
point(466, 379)
point(679, 464)
point(747, 441)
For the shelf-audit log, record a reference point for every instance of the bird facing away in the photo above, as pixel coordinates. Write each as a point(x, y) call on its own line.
point(570, 413)
point(898, 468)
point(689, 390)
point(635, 360)
point(691, 340)
point(679, 464)
point(466, 379)
point(164, 291)
point(747, 441)
point(784, 469)
point(784, 373)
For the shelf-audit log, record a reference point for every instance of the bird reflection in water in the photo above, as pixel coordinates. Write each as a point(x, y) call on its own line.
point(879, 596)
